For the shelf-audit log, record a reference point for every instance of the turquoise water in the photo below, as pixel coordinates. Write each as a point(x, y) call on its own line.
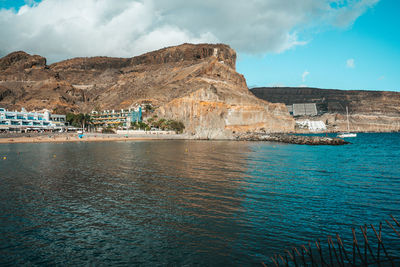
point(189, 202)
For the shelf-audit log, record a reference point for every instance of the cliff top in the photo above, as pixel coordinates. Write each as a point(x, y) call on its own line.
point(173, 54)
point(21, 59)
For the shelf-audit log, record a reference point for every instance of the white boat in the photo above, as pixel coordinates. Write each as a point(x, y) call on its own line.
point(343, 135)
point(348, 133)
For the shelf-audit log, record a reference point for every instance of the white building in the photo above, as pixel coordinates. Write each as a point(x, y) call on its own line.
point(313, 126)
point(24, 120)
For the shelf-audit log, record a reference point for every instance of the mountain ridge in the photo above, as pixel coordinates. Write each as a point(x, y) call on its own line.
point(197, 84)
point(370, 110)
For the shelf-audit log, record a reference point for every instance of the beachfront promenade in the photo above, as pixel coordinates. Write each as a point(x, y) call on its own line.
point(86, 137)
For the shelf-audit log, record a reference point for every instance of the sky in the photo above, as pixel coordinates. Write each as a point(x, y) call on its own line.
point(340, 44)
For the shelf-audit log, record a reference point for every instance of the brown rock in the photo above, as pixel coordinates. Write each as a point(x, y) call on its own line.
point(196, 84)
point(291, 139)
point(376, 111)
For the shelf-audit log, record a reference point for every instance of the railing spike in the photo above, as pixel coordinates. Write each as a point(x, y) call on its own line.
point(369, 257)
point(394, 229)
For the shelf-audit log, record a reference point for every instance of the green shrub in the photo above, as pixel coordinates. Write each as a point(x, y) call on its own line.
point(176, 126)
point(139, 125)
point(108, 130)
point(163, 124)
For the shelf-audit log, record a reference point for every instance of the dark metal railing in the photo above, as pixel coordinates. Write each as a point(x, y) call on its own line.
point(369, 251)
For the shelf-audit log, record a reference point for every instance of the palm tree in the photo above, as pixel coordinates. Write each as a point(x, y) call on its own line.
point(86, 120)
point(79, 120)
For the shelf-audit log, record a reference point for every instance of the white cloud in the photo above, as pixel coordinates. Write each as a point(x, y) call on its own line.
point(304, 76)
point(350, 63)
point(60, 29)
point(347, 14)
point(381, 78)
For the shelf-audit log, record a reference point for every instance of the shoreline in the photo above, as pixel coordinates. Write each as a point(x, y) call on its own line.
point(21, 140)
point(70, 138)
point(292, 138)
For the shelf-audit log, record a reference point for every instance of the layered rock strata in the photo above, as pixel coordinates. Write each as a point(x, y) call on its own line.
point(369, 111)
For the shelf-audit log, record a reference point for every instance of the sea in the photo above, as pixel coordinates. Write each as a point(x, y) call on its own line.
point(185, 203)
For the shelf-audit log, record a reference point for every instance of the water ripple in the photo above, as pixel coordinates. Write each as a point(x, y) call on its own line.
point(188, 202)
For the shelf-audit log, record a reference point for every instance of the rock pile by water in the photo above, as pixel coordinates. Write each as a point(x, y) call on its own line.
point(292, 139)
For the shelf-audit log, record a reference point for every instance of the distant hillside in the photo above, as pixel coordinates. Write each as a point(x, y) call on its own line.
point(369, 110)
point(334, 101)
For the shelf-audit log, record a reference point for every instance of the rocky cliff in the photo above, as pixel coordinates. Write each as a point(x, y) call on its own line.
point(26, 81)
point(369, 110)
point(197, 84)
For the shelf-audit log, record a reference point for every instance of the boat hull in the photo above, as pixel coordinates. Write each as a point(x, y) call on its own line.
point(346, 135)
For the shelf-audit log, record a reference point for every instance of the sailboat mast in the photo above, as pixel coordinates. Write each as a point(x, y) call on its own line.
point(348, 124)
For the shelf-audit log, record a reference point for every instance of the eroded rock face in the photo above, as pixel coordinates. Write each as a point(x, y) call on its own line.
point(369, 111)
point(196, 84)
point(26, 81)
point(219, 104)
point(217, 113)
point(159, 76)
point(5, 93)
point(21, 60)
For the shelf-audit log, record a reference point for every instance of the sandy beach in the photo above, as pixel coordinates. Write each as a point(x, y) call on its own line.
point(90, 137)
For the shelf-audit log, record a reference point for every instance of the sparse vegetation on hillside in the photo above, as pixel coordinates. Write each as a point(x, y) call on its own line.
point(148, 108)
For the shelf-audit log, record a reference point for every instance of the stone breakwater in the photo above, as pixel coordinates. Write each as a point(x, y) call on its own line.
point(292, 139)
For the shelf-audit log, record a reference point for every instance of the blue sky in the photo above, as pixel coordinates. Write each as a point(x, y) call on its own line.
point(343, 44)
point(11, 3)
point(373, 42)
